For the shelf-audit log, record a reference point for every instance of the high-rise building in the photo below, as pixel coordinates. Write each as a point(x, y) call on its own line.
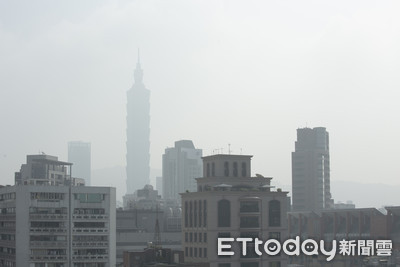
point(47, 221)
point(138, 134)
point(181, 165)
point(311, 170)
point(79, 155)
point(231, 203)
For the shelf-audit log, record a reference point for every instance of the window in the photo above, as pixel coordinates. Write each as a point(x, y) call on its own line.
point(200, 237)
point(275, 264)
point(200, 252)
point(275, 235)
point(208, 169)
point(224, 235)
point(274, 213)
point(195, 252)
point(186, 251)
point(205, 213)
point(226, 169)
point(200, 213)
point(249, 264)
point(186, 214)
point(224, 213)
point(190, 214)
point(205, 238)
point(195, 237)
point(244, 170)
point(186, 237)
point(251, 252)
point(249, 206)
point(191, 237)
point(195, 213)
point(235, 169)
point(249, 222)
point(213, 169)
point(89, 198)
point(224, 265)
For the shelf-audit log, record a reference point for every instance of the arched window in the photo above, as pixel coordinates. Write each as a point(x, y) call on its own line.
point(274, 213)
point(226, 169)
point(235, 169)
point(208, 169)
point(213, 169)
point(244, 171)
point(224, 213)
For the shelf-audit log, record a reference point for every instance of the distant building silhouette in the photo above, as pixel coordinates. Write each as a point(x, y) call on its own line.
point(79, 154)
point(181, 165)
point(138, 134)
point(159, 185)
point(145, 198)
point(311, 170)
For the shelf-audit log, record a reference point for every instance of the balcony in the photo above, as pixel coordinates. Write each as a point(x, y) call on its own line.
point(90, 217)
point(48, 258)
point(90, 230)
point(90, 244)
point(90, 257)
point(48, 244)
point(48, 230)
point(48, 217)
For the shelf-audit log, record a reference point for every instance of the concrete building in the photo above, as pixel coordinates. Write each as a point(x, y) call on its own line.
point(181, 165)
point(136, 229)
point(145, 198)
point(151, 257)
point(79, 154)
point(348, 224)
point(47, 222)
point(311, 171)
point(138, 134)
point(229, 202)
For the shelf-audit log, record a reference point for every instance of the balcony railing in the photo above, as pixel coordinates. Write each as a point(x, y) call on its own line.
point(48, 217)
point(90, 244)
point(90, 230)
point(48, 230)
point(50, 244)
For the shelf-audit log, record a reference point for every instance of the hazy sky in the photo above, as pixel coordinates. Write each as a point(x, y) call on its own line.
point(248, 73)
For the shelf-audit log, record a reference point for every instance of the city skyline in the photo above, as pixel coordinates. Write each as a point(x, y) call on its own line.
point(253, 73)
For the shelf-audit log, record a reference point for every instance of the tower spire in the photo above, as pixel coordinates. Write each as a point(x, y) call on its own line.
point(138, 74)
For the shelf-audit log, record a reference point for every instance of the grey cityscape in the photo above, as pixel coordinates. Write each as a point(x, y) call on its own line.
point(199, 133)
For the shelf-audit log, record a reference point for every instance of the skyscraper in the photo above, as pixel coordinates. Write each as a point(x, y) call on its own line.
point(181, 165)
point(79, 154)
point(138, 134)
point(311, 170)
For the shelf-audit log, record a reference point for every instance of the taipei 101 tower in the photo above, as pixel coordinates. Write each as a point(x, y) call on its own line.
point(138, 134)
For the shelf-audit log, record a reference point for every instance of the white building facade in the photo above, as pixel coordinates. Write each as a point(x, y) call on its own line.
point(56, 225)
